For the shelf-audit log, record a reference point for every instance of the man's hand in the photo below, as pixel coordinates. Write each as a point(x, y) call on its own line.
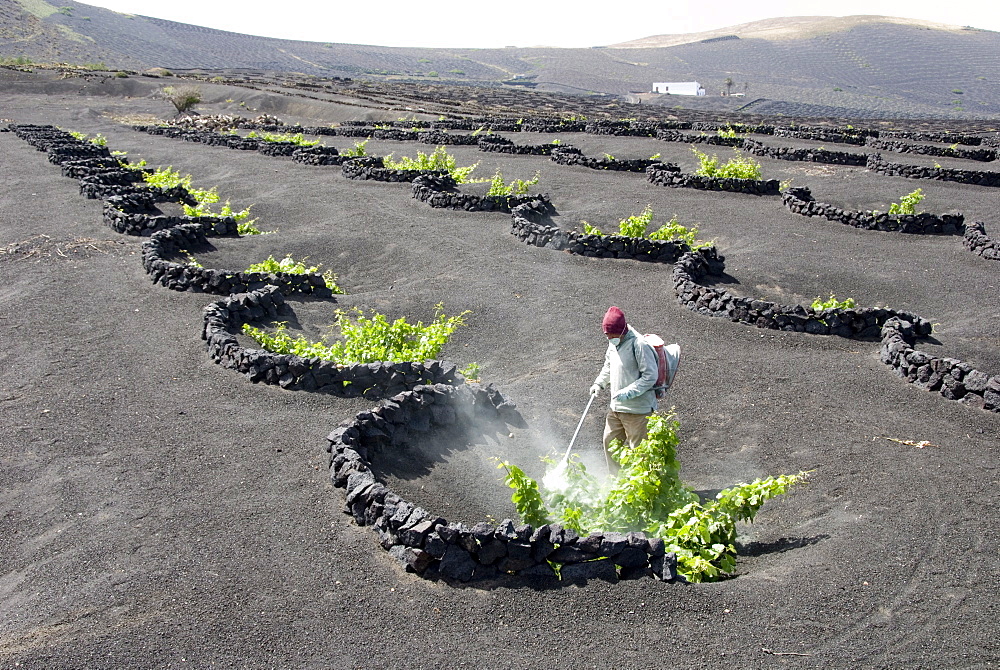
point(595, 389)
point(626, 394)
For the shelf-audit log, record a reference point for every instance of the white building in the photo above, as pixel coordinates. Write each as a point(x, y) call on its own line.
point(679, 88)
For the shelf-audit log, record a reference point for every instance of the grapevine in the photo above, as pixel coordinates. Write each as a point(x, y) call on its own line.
point(648, 495)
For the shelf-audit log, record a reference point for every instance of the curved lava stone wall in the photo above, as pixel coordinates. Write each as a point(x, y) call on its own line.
point(800, 201)
point(878, 164)
point(597, 246)
point(663, 175)
point(431, 546)
point(223, 319)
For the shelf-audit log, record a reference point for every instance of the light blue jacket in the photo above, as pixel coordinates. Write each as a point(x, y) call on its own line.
point(630, 367)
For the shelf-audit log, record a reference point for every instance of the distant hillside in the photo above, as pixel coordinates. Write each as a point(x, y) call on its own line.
point(868, 65)
point(784, 28)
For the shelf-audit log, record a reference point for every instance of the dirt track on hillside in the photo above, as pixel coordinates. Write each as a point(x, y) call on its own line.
point(160, 511)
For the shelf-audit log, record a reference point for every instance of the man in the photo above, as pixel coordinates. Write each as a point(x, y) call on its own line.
point(630, 368)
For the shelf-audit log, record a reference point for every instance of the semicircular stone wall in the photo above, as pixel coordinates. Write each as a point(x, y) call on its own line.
point(431, 546)
point(224, 318)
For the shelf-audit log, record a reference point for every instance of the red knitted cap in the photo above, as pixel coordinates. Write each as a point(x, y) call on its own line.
point(614, 322)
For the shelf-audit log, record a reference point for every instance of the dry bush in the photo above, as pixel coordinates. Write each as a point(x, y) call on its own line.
point(182, 97)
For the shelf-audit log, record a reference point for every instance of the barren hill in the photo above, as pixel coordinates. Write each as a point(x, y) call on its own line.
point(867, 66)
point(784, 28)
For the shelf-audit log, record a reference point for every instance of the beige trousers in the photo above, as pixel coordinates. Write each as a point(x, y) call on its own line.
point(629, 428)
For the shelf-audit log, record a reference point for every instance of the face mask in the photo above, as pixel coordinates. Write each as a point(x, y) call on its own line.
point(615, 341)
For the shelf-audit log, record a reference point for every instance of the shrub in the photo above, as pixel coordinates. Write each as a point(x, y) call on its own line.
point(289, 265)
point(648, 495)
point(294, 138)
point(97, 140)
point(203, 199)
point(832, 303)
point(908, 203)
point(367, 340)
point(167, 178)
point(244, 224)
point(184, 98)
point(246, 227)
point(122, 157)
point(516, 187)
point(472, 372)
point(19, 60)
point(738, 167)
point(357, 151)
point(439, 159)
point(674, 230)
point(637, 225)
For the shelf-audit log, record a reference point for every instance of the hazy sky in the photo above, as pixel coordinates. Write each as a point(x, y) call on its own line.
point(445, 23)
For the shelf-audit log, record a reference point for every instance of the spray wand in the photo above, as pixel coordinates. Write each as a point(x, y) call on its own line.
point(556, 479)
point(578, 427)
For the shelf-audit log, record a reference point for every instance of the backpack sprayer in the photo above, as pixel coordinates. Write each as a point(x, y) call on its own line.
point(668, 357)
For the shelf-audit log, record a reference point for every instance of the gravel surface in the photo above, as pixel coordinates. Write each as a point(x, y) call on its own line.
point(159, 511)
